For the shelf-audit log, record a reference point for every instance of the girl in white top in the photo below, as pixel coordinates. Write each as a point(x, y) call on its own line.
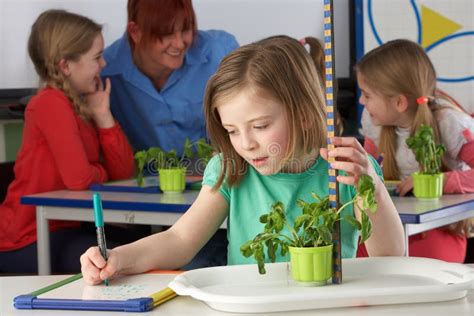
point(398, 85)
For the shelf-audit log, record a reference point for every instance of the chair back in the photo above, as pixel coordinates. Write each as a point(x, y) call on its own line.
point(6, 177)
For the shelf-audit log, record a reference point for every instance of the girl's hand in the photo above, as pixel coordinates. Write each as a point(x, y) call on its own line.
point(95, 269)
point(405, 186)
point(351, 158)
point(99, 105)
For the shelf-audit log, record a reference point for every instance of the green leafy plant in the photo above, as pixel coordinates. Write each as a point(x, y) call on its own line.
point(169, 159)
point(427, 153)
point(313, 228)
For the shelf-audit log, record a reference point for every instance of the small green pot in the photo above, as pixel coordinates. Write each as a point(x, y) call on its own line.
point(172, 180)
point(427, 186)
point(311, 266)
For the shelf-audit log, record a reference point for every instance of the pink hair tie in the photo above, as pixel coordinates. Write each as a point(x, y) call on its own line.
point(302, 41)
point(422, 100)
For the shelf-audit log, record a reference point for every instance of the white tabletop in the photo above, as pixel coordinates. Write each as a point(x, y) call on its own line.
point(10, 287)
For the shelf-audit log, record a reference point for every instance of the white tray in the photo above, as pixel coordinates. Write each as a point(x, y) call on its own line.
point(366, 281)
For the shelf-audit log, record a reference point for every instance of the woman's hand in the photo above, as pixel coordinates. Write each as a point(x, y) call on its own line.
point(99, 104)
point(352, 158)
point(95, 269)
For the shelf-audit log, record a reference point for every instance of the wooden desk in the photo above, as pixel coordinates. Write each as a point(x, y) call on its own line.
point(164, 209)
point(10, 287)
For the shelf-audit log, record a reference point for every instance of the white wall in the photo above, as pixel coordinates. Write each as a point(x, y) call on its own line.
point(249, 20)
point(16, 18)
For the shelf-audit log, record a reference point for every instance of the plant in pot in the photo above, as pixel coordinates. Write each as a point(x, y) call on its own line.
point(309, 239)
point(428, 182)
point(171, 167)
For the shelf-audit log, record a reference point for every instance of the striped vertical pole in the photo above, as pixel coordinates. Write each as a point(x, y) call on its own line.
point(331, 128)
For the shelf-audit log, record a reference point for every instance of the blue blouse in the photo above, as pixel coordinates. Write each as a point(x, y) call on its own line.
point(164, 118)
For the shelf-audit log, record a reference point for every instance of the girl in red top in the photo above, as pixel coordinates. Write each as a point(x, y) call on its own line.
point(398, 85)
point(70, 139)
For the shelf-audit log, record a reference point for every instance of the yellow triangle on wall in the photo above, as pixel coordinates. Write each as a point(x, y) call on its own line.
point(435, 26)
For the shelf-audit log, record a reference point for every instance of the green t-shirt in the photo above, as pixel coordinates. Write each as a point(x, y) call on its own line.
point(256, 193)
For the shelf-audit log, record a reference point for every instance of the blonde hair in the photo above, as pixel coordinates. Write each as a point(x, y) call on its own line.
point(56, 35)
point(278, 67)
point(401, 67)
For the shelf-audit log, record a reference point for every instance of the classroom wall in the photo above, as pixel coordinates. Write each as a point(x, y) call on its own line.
point(445, 29)
point(249, 20)
point(16, 18)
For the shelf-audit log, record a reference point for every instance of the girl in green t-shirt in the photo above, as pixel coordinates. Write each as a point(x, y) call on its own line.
point(265, 114)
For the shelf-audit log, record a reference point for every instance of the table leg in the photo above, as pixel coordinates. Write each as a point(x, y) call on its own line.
point(407, 236)
point(42, 233)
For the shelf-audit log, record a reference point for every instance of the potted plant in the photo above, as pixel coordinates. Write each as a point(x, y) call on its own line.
point(428, 182)
point(309, 241)
point(171, 167)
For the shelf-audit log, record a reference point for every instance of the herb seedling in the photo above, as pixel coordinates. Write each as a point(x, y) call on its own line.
point(427, 153)
point(170, 160)
point(313, 228)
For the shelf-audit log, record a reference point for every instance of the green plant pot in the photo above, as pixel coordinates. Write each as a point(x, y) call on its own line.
point(427, 186)
point(311, 266)
point(172, 180)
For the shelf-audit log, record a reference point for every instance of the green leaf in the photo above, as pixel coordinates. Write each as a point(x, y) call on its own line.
point(187, 149)
point(301, 203)
point(366, 189)
point(366, 229)
point(312, 228)
point(325, 234)
point(353, 221)
point(259, 256)
point(284, 249)
point(302, 220)
point(140, 161)
point(271, 249)
point(246, 250)
point(204, 150)
point(427, 152)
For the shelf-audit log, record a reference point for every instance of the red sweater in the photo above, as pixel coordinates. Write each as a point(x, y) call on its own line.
point(59, 151)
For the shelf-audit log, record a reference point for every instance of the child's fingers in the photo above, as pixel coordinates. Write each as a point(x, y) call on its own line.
point(349, 148)
point(349, 167)
point(89, 269)
point(347, 142)
point(96, 257)
point(111, 268)
point(348, 153)
point(100, 84)
point(108, 85)
point(405, 187)
point(347, 180)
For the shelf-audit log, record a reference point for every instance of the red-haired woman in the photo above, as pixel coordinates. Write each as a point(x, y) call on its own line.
point(159, 70)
